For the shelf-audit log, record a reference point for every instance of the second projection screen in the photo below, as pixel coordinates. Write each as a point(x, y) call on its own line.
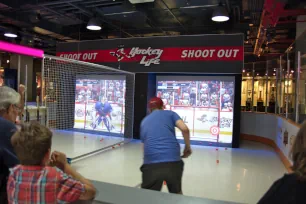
point(205, 104)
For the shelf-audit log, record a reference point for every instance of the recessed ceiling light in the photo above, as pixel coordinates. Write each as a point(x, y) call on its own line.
point(251, 24)
point(10, 35)
point(94, 24)
point(220, 18)
point(220, 14)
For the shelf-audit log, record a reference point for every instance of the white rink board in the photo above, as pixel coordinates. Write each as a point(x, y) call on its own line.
point(200, 119)
point(226, 121)
point(186, 115)
point(117, 117)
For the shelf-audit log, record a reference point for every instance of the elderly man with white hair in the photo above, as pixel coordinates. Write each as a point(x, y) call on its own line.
point(11, 105)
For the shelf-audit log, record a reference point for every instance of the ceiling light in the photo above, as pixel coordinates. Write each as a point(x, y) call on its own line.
point(94, 24)
point(251, 24)
point(10, 34)
point(220, 14)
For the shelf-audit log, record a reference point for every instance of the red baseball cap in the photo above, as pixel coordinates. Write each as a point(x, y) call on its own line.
point(156, 103)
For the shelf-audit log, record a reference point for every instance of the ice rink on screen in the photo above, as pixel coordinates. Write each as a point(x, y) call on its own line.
point(84, 122)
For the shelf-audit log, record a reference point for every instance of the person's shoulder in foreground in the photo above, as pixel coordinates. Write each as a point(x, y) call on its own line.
point(35, 182)
point(6, 124)
point(7, 129)
point(292, 187)
point(288, 189)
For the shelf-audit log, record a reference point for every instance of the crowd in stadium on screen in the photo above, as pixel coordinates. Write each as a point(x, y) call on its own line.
point(209, 94)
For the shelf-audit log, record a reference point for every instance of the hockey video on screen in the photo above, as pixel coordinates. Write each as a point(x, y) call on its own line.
point(205, 106)
point(100, 105)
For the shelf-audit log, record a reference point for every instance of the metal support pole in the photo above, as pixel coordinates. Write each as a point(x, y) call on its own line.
point(26, 94)
point(46, 99)
point(276, 91)
point(18, 72)
point(42, 83)
point(26, 85)
point(287, 86)
point(297, 89)
point(42, 93)
point(253, 75)
point(267, 83)
point(280, 87)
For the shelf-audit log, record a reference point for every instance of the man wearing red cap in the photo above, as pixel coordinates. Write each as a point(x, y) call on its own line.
point(162, 156)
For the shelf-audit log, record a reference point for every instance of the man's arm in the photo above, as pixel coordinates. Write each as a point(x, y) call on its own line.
point(141, 137)
point(21, 91)
point(186, 134)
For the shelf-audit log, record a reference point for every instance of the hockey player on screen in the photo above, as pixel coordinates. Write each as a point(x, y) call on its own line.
point(204, 100)
point(226, 98)
point(88, 94)
point(110, 91)
point(204, 88)
point(82, 95)
point(193, 97)
point(225, 107)
point(118, 96)
point(104, 112)
point(213, 99)
point(229, 106)
point(186, 98)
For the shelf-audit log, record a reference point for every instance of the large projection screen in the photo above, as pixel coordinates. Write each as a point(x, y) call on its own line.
point(205, 104)
point(100, 103)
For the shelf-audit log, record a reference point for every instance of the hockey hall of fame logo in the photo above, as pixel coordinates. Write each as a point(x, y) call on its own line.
point(149, 55)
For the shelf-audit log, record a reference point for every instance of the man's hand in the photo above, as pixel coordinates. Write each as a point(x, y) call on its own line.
point(59, 159)
point(187, 152)
point(21, 89)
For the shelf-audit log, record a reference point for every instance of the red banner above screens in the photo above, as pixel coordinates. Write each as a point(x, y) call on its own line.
point(169, 54)
point(150, 56)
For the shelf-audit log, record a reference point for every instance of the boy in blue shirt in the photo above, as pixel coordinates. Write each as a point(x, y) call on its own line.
point(162, 157)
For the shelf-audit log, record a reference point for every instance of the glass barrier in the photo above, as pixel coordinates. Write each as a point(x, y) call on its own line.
point(290, 86)
point(259, 87)
point(279, 85)
point(301, 68)
point(247, 88)
point(300, 65)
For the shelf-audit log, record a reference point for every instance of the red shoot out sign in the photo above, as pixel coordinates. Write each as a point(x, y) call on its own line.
point(153, 56)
